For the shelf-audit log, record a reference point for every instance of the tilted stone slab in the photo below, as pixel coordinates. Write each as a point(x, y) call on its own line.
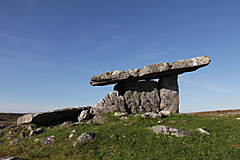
point(152, 71)
point(51, 117)
point(113, 102)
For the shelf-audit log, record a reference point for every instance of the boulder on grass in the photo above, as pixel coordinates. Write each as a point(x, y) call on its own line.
point(52, 117)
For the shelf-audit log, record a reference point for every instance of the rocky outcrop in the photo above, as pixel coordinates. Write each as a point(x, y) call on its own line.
point(52, 117)
point(133, 96)
point(87, 136)
point(167, 130)
point(152, 71)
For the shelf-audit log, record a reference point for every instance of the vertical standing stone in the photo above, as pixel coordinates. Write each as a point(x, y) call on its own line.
point(169, 95)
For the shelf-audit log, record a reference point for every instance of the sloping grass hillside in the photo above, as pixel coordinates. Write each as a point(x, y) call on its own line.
point(131, 139)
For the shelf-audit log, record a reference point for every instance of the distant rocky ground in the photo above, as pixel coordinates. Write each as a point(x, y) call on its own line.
point(9, 119)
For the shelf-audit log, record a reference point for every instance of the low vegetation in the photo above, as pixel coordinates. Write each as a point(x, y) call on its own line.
point(130, 139)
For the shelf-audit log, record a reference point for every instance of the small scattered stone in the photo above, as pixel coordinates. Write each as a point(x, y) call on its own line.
point(74, 131)
point(71, 135)
point(67, 124)
point(91, 122)
point(120, 113)
point(123, 118)
point(37, 131)
point(203, 131)
point(84, 115)
point(36, 140)
point(238, 118)
point(166, 112)
point(47, 141)
point(151, 115)
point(112, 136)
point(50, 127)
point(214, 118)
point(14, 142)
point(167, 130)
point(87, 136)
point(160, 121)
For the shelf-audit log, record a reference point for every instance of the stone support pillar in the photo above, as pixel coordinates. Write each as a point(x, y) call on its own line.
point(169, 94)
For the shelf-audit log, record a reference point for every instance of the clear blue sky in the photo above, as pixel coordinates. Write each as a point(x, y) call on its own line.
point(49, 49)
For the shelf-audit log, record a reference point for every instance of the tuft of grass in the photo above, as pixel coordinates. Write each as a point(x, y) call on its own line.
point(130, 139)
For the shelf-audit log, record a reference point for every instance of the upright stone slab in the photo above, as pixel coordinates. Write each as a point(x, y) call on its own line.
point(169, 94)
point(111, 103)
point(142, 96)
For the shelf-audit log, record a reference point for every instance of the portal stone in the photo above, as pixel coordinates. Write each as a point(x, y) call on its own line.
point(169, 94)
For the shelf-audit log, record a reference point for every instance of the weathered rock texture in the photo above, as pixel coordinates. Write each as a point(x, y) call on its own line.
point(169, 95)
point(133, 96)
point(111, 103)
point(47, 141)
point(152, 71)
point(52, 117)
point(167, 130)
point(140, 96)
point(87, 136)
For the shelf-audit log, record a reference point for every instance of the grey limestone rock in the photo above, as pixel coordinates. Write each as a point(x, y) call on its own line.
point(169, 94)
point(85, 114)
point(152, 71)
point(151, 115)
point(47, 141)
point(87, 136)
point(100, 119)
point(167, 130)
point(111, 103)
point(51, 117)
point(140, 96)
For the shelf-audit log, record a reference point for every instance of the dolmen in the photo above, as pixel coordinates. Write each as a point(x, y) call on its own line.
point(136, 90)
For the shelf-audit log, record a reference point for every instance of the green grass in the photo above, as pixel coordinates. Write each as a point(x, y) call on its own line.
point(134, 141)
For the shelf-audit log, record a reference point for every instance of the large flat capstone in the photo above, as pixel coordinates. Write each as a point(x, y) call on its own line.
point(51, 117)
point(153, 71)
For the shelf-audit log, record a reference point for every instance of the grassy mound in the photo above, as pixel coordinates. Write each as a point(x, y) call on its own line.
point(130, 139)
